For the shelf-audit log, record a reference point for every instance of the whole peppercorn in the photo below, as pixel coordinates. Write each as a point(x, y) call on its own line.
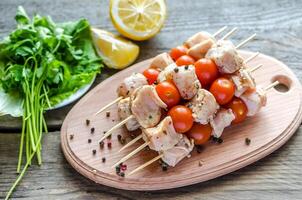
point(92, 130)
point(247, 141)
point(101, 144)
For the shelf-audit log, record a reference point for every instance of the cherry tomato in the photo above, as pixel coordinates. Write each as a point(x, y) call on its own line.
point(185, 60)
point(223, 90)
point(200, 133)
point(239, 109)
point(182, 118)
point(176, 52)
point(151, 75)
point(206, 71)
point(168, 93)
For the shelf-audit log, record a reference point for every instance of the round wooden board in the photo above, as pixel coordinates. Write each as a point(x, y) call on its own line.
point(268, 130)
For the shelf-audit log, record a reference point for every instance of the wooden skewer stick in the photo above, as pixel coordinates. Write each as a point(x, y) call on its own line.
point(108, 105)
point(115, 127)
point(270, 86)
point(220, 31)
point(251, 57)
point(131, 142)
point(146, 164)
point(245, 41)
point(229, 33)
point(255, 68)
point(138, 149)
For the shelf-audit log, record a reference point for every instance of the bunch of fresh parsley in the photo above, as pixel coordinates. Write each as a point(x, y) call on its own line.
point(42, 63)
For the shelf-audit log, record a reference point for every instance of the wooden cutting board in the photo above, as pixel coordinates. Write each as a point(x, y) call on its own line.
point(268, 130)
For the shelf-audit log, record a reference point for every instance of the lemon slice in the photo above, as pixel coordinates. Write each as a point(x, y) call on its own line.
point(117, 52)
point(138, 19)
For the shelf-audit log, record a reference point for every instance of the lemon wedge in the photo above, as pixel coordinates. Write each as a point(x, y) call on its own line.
point(138, 19)
point(117, 52)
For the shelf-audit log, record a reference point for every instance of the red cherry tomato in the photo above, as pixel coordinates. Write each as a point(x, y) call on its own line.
point(176, 52)
point(200, 133)
point(168, 93)
point(223, 90)
point(239, 109)
point(185, 60)
point(182, 118)
point(151, 75)
point(206, 71)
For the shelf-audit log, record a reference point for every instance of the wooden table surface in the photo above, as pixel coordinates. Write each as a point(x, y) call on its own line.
point(279, 28)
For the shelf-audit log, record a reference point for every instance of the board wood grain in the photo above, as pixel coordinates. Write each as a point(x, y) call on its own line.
point(268, 130)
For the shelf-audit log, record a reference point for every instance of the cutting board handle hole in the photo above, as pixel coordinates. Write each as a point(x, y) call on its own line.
point(285, 83)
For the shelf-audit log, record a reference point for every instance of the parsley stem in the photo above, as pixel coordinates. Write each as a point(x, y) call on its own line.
point(21, 142)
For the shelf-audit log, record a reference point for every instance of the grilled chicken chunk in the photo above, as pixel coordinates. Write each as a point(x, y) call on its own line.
point(203, 106)
point(199, 50)
point(222, 120)
point(254, 100)
point(161, 61)
point(124, 111)
point(186, 81)
point(198, 38)
point(226, 57)
point(181, 150)
point(163, 136)
point(243, 80)
point(146, 106)
point(166, 74)
point(129, 84)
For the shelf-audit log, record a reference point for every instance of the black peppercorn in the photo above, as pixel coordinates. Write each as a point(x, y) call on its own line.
point(176, 69)
point(103, 159)
point(87, 122)
point(247, 141)
point(89, 140)
point(107, 114)
point(93, 151)
point(92, 130)
point(101, 144)
point(71, 136)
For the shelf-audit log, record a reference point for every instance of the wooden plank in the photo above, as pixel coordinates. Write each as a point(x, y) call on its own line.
point(277, 23)
point(277, 177)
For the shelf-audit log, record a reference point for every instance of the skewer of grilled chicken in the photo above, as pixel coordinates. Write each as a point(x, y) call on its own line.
point(200, 43)
point(224, 54)
point(145, 109)
point(256, 98)
point(126, 88)
point(171, 156)
point(159, 138)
